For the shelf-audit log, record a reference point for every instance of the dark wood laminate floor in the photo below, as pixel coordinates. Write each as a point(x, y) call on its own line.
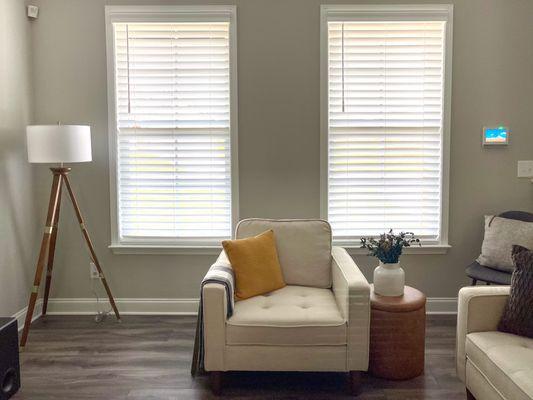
point(148, 357)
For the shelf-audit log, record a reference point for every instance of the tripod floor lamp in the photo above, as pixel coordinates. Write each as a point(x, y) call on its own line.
point(58, 144)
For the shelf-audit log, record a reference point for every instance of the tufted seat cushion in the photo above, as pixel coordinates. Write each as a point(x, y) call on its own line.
point(293, 315)
point(506, 361)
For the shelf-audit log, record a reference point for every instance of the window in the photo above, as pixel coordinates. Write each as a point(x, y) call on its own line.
point(385, 120)
point(172, 98)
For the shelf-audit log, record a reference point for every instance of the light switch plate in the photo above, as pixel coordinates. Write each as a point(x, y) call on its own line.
point(33, 11)
point(525, 169)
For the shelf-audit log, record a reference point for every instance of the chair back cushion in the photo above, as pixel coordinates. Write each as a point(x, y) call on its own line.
point(517, 215)
point(304, 248)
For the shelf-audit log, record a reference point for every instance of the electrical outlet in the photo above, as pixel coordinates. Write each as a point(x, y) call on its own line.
point(525, 169)
point(94, 271)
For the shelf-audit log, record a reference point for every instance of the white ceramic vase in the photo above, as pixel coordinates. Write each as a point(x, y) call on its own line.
point(389, 279)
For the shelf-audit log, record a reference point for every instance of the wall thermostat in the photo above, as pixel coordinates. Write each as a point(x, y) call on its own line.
point(33, 11)
point(495, 136)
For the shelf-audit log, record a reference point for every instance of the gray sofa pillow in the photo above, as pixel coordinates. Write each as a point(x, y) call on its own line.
point(500, 236)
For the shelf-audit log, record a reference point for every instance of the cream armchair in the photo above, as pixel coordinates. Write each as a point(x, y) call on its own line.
point(319, 322)
point(493, 365)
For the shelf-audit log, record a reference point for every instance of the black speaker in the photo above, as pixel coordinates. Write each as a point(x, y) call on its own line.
point(9, 358)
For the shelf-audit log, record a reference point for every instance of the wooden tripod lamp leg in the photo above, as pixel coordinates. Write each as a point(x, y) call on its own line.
point(90, 246)
point(51, 252)
point(45, 243)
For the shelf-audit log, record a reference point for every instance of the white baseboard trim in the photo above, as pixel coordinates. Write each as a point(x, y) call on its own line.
point(133, 306)
point(20, 316)
point(441, 305)
point(126, 306)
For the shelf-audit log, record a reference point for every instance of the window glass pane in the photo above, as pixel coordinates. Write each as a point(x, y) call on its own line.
point(173, 130)
point(385, 127)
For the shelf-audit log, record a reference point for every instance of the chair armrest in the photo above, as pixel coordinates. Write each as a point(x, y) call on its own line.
point(352, 293)
point(215, 307)
point(479, 310)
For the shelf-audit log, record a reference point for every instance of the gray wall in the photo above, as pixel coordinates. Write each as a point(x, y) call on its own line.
point(278, 78)
point(18, 231)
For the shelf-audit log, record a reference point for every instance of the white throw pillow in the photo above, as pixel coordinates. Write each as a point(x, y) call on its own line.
point(500, 236)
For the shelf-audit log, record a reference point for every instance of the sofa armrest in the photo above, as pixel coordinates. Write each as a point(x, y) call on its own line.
point(352, 293)
point(479, 310)
point(215, 306)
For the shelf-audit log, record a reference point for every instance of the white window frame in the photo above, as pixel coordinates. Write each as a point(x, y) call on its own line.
point(423, 12)
point(156, 13)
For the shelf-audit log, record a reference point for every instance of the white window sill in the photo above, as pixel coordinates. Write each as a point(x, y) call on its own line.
point(164, 250)
point(215, 250)
point(427, 249)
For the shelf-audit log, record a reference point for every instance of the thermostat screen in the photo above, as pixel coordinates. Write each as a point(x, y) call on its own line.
point(495, 135)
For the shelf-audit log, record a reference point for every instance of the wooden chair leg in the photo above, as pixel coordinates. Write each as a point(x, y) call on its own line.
point(215, 378)
point(355, 382)
point(469, 395)
point(474, 282)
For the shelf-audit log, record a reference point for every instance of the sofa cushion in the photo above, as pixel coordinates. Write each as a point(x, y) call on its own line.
point(506, 360)
point(293, 315)
point(304, 248)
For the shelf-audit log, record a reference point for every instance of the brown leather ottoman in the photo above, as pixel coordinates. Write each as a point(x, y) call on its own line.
point(397, 334)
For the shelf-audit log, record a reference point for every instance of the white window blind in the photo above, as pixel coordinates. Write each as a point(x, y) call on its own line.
point(385, 127)
point(173, 131)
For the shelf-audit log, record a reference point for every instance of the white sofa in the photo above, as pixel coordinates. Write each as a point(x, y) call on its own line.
point(492, 364)
point(319, 322)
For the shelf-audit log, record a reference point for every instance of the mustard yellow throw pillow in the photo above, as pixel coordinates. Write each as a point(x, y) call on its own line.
point(255, 264)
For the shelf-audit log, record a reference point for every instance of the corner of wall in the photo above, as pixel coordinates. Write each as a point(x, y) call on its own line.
point(18, 205)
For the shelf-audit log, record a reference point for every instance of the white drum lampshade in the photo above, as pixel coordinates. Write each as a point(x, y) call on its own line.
point(53, 144)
